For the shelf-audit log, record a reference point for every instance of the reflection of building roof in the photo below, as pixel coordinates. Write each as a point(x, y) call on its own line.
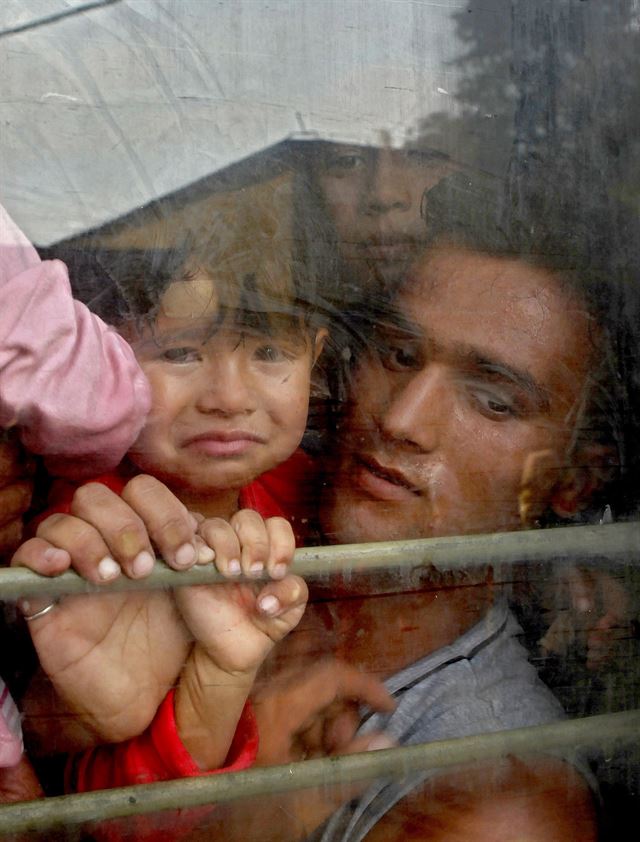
point(108, 109)
point(250, 195)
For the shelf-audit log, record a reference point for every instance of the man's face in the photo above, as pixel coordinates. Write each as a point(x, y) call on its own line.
point(488, 370)
point(374, 198)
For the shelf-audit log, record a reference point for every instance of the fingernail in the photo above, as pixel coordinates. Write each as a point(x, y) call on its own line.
point(143, 564)
point(379, 742)
point(279, 571)
point(56, 556)
point(256, 568)
point(205, 555)
point(269, 605)
point(129, 541)
point(108, 569)
point(234, 567)
point(185, 555)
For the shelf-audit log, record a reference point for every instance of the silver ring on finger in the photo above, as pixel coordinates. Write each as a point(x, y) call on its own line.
point(41, 613)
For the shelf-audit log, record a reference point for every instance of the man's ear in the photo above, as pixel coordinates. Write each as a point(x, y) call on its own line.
point(592, 468)
point(321, 336)
point(548, 482)
point(540, 475)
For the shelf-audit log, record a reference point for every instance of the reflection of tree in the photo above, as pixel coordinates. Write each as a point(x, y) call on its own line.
point(556, 106)
point(478, 130)
point(543, 76)
point(555, 103)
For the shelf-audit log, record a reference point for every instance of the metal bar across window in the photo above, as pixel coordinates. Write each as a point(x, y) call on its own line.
point(617, 543)
point(603, 732)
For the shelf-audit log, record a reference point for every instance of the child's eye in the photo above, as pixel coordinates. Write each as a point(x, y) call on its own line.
point(181, 355)
point(270, 353)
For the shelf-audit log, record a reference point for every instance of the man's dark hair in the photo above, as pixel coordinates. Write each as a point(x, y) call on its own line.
point(590, 243)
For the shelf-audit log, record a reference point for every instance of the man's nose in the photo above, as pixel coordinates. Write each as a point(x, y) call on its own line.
point(226, 387)
point(388, 188)
point(419, 410)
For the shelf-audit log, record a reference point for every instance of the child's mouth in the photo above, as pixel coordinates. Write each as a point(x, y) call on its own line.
point(224, 444)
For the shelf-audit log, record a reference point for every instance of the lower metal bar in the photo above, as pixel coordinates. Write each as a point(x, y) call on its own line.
point(602, 732)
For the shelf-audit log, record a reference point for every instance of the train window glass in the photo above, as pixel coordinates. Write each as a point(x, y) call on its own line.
point(360, 278)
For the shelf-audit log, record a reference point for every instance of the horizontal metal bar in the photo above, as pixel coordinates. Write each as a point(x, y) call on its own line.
point(602, 732)
point(589, 545)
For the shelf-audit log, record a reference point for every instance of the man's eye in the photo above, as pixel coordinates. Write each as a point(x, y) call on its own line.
point(181, 355)
point(494, 405)
point(400, 357)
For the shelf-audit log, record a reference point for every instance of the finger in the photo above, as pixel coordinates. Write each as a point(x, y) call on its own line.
point(318, 687)
point(221, 537)
point(340, 727)
point(582, 591)
point(15, 499)
point(364, 689)
point(337, 681)
point(10, 536)
point(90, 555)
point(614, 597)
point(122, 534)
point(282, 546)
point(285, 599)
point(329, 731)
point(41, 557)
point(254, 541)
point(170, 525)
point(204, 553)
point(19, 783)
point(13, 463)
point(377, 741)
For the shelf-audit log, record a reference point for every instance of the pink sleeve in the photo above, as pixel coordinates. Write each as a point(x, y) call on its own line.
point(10, 730)
point(156, 755)
point(70, 383)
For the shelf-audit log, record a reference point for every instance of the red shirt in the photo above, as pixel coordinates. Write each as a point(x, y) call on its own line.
point(286, 491)
point(159, 754)
point(156, 755)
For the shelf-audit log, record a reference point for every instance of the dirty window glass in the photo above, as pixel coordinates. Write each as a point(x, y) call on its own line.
point(355, 282)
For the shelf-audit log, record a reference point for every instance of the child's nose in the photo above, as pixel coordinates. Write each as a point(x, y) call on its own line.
point(226, 389)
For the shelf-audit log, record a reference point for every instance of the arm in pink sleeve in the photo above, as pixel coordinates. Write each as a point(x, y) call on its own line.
point(68, 381)
point(10, 730)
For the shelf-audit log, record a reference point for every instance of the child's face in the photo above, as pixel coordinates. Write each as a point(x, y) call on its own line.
point(228, 404)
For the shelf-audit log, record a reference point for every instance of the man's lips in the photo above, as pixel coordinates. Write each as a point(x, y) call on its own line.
point(223, 442)
point(381, 482)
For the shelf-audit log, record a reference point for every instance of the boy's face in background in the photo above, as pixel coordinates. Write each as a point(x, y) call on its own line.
point(446, 412)
point(228, 404)
point(375, 199)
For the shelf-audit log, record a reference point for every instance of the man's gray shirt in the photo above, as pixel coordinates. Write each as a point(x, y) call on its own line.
point(481, 682)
